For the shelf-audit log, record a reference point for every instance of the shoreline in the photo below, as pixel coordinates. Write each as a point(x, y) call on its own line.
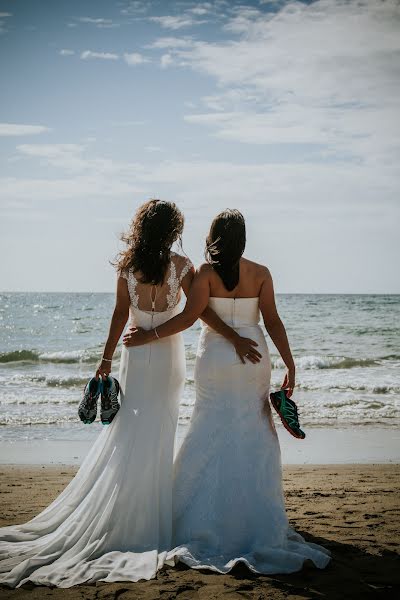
point(322, 446)
point(353, 510)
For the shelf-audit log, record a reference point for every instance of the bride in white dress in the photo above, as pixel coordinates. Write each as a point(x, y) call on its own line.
point(113, 521)
point(228, 501)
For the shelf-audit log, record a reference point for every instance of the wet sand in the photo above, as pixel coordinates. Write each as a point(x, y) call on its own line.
point(354, 510)
point(322, 446)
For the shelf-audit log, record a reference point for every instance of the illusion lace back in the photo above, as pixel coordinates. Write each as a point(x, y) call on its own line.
point(113, 521)
point(228, 499)
point(161, 298)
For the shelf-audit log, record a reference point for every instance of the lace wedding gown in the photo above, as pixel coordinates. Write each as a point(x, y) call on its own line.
point(228, 500)
point(113, 521)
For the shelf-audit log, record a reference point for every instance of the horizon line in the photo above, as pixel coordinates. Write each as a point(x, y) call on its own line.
point(276, 293)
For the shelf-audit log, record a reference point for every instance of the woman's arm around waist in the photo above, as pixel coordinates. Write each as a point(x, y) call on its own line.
point(197, 290)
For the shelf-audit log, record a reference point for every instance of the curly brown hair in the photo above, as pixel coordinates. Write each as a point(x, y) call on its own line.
point(155, 227)
point(225, 245)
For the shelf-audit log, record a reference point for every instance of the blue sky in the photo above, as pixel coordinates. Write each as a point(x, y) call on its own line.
point(285, 110)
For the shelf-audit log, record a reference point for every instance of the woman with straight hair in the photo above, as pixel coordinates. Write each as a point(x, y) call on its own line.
point(228, 499)
point(113, 522)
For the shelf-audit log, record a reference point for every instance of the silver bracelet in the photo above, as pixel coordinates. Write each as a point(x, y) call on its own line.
point(106, 359)
point(155, 331)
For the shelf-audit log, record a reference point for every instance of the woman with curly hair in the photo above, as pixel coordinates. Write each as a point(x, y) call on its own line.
point(113, 521)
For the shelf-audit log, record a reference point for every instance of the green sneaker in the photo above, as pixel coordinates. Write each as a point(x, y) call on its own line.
point(109, 399)
point(287, 410)
point(87, 409)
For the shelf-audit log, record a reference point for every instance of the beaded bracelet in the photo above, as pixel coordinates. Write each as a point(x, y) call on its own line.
point(106, 359)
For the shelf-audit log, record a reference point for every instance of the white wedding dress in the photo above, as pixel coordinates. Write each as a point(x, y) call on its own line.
point(113, 521)
point(228, 500)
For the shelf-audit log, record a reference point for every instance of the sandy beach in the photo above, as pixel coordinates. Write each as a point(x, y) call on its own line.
point(354, 510)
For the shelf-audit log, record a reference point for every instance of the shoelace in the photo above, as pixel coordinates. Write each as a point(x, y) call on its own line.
point(293, 413)
point(114, 402)
point(85, 402)
point(112, 399)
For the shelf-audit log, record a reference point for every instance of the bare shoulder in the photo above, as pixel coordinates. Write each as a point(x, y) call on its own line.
point(258, 270)
point(205, 269)
point(205, 274)
point(180, 260)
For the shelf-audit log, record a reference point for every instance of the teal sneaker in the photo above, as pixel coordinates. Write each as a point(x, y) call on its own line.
point(109, 400)
point(87, 409)
point(287, 410)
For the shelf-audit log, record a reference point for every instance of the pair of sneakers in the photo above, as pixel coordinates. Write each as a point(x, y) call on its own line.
point(287, 410)
point(108, 388)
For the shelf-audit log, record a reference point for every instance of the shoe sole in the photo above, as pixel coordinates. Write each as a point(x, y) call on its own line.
point(286, 426)
point(87, 420)
point(109, 420)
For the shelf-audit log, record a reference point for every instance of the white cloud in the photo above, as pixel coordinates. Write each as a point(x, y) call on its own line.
point(66, 52)
point(3, 24)
point(135, 7)
point(94, 21)
point(166, 60)
point(344, 188)
point(353, 132)
point(128, 123)
point(318, 202)
point(245, 15)
point(322, 73)
point(88, 55)
point(176, 22)
point(74, 158)
point(50, 150)
point(201, 9)
point(87, 176)
point(98, 22)
point(15, 129)
point(78, 188)
point(135, 59)
point(132, 59)
point(171, 42)
point(67, 156)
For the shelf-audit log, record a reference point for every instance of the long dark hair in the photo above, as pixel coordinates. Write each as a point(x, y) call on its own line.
point(225, 245)
point(154, 228)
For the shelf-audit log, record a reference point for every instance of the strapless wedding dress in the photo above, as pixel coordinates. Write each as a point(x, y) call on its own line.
point(113, 521)
point(228, 502)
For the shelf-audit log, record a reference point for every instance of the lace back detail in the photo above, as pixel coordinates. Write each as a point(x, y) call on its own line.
point(185, 270)
point(132, 285)
point(173, 284)
point(168, 294)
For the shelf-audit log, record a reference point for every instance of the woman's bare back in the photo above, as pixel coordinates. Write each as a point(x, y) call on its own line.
point(251, 278)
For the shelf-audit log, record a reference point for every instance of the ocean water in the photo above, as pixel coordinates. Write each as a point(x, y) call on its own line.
point(346, 349)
